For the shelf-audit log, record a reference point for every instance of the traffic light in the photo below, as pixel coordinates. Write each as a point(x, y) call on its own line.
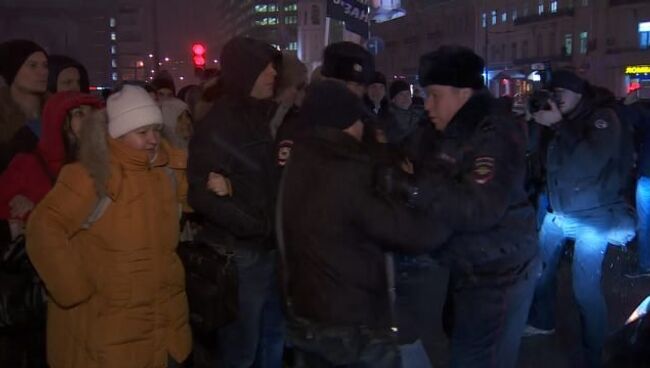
point(198, 55)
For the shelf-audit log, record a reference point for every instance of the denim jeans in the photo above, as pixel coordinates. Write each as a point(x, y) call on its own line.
point(256, 338)
point(591, 233)
point(488, 322)
point(643, 218)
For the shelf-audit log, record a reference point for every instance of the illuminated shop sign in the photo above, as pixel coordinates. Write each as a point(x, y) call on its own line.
point(637, 69)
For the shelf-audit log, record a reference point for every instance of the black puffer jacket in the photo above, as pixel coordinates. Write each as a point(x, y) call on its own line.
point(234, 139)
point(336, 232)
point(474, 175)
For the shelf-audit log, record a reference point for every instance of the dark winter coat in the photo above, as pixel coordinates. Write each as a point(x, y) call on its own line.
point(336, 232)
point(234, 139)
point(584, 160)
point(639, 115)
point(475, 172)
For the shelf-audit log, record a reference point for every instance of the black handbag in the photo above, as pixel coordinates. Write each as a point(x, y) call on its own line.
point(211, 286)
point(22, 294)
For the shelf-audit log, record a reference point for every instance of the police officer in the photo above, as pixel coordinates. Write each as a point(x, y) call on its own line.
point(474, 176)
point(586, 171)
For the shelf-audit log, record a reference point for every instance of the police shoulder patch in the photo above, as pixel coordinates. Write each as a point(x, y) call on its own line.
point(483, 170)
point(601, 124)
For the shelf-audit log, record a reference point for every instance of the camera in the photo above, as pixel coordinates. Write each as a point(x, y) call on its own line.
point(540, 99)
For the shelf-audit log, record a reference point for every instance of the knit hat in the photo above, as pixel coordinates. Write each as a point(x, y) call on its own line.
point(129, 109)
point(454, 66)
point(349, 62)
point(568, 80)
point(57, 63)
point(13, 55)
point(397, 87)
point(161, 82)
point(378, 78)
point(331, 104)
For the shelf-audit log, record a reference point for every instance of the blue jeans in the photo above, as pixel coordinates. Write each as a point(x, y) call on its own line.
point(643, 218)
point(488, 322)
point(591, 233)
point(256, 338)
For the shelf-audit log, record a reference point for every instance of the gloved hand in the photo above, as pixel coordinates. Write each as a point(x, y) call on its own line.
point(392, 182)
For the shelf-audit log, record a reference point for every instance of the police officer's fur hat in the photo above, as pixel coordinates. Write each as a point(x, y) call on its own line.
point(454, 66)
point(349, 62)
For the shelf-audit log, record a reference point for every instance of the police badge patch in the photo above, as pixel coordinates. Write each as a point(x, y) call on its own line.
point(601, 124)
point(483, 169)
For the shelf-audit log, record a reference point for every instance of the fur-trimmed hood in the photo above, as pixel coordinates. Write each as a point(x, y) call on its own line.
point(106, 158)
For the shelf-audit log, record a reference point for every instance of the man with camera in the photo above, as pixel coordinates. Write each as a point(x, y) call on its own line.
point(587, 167)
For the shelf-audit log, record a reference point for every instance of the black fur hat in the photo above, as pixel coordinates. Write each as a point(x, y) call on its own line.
point(330, 103)
point(349, 62)
point(454, 66)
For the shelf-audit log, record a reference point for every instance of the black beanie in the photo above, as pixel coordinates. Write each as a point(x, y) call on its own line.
point(378, 78)
point(454, 66)
point(13, 55)
point(349, 62)
point(330, 103)
point(164, 82)
point(568, 80)
point(397, 87)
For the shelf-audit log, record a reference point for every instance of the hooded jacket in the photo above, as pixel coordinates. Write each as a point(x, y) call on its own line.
point(234, 139)
point(57, 63)
point(32, 174)
point(116, 286)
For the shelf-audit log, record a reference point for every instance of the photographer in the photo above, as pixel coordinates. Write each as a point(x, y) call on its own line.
point(587, 162)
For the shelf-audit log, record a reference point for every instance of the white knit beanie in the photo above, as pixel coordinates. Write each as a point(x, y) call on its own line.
point(129, 109)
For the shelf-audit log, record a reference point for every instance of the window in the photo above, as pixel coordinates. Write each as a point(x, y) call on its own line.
point(524, 50)
point(514, 15)
point(111, 22)
point(292, 7)
point(114, 76)
point(584, 42)
point(644, 35)
point(273, 8)
point(293, 46)
point(540, 8)
point(484, 20)
point(553, 6)
point(114, 63)
point(504, 17)
point(494, 17)
point(315, 15)
point(113, 36)
point(113, 50)
point(261, 8)
point(291, 19)
point(269, 21)
point(568, 44)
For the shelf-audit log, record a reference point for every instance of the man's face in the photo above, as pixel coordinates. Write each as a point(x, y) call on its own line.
point(443, 102)
point(568, 100)
point(164, 94)
point(32, 75)
point(68, 80)
point(403, 100)
point(376, 92)
point(263, 87)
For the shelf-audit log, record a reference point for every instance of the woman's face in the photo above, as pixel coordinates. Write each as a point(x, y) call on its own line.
point(77, 115)
point(146, 139)
point(69, 79)
point(32, 75)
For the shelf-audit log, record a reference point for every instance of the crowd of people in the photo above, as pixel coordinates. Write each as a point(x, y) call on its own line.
point(255, 220)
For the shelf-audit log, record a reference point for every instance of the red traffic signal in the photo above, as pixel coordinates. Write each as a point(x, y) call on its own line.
point(198, 55)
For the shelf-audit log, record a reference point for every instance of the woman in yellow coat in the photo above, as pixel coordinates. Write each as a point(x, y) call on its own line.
point(104, 240)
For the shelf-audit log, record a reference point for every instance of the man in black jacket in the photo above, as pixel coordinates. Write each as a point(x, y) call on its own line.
point(235, 140)
point(588, 162)
point(473, 176)
point(336, 233)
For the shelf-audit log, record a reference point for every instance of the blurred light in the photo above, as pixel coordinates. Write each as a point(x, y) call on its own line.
point(150, 56)
point(152, 71)
point(215, 61)
point(159, 64)
point(635, 85)
point(198, 49)
point(181, 78)
point(644, 27)
point(199, 61)
point(640, 311)
point(139, 64)
point(166, 59)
